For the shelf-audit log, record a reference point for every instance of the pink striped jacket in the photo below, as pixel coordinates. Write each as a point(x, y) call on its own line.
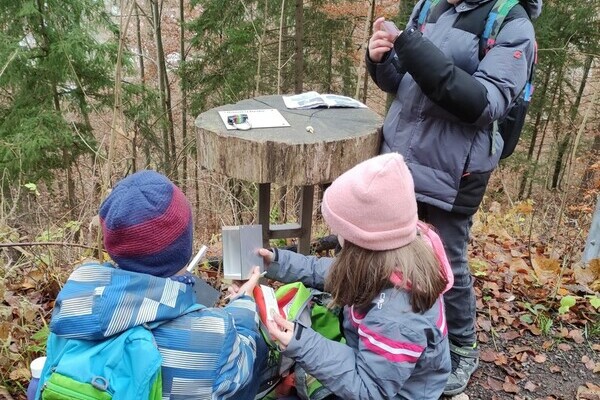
point(390, 352)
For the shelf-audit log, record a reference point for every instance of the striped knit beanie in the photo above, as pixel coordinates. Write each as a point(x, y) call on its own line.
point(147, 225)
point(373, 204)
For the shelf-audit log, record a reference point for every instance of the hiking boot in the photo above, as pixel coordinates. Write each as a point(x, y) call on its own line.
point(464, 362)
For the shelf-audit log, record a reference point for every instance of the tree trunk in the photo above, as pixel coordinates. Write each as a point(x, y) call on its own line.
point(168, 129)
point(280, 47)
point(140, 49)
point(261, 44)
point(362, 70)
point(299, 43)
point(536, 127)
point(559, 77)
point(566, 140)
point(183, 92)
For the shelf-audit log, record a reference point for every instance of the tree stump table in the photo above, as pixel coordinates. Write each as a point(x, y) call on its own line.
point(318, 146)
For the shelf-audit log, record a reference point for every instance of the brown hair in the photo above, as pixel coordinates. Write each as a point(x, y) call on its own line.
point(359, 275)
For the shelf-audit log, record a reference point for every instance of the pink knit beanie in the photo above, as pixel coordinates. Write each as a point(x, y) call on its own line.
point(373, 204)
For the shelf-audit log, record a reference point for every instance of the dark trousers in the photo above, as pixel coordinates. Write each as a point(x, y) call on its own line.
point(454, 230)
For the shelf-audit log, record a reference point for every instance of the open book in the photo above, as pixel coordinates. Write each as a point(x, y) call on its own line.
point(316, 100)
point(266, 302)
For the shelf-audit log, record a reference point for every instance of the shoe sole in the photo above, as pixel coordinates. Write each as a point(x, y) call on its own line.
point(461, 389)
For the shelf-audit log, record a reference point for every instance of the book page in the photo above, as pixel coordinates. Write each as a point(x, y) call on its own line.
point(304, 100)
point(334, 100)
point(270, 301)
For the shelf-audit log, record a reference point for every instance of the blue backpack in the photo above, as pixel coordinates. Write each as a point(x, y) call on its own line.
point(123, 367)
point(486, 22)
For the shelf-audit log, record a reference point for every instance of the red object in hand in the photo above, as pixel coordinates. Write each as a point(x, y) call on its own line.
point(261, 304)
point(287, 386)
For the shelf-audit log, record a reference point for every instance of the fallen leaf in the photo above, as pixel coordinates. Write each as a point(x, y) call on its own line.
point(484, 324)
point(20, 374)
point(555, 369)
point(483, 337)
point(540, 358)
point(488, 355)
point(564, 347)
point(589, 363)
point(501, 359)
point(510, 386)
point(530, 386)
point(545, 268)
point(563, 332)
point(592, 386)
point(577, 336)
point(534, 330)
point(4, 330)
point(519, 265)
point(547, 344)
point(510, 335)
point(494, 384)
point(588, 393)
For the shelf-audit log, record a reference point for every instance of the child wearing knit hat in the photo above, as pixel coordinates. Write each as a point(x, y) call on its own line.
point(147, 227)
point(389, 278)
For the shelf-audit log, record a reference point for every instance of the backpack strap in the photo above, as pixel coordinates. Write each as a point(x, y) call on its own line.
point(494, 22)
point(428, 5)
point(528, 90)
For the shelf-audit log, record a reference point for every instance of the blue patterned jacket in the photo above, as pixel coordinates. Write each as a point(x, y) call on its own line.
point(206, 354)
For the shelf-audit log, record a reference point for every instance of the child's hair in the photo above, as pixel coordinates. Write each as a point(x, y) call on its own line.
point(358, 275)
point(373, 208)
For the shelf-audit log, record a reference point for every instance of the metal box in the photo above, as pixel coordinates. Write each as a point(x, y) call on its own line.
point(240, 250)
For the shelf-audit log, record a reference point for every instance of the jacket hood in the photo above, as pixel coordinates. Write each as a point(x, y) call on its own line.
point(533, 7)
point(99, 300)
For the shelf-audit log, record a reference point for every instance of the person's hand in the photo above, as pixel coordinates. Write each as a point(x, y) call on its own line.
point(239, 288)
point(267, 256)
point(381, 42)
point(281, 330)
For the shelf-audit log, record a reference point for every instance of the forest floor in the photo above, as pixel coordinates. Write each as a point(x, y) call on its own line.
point(538, 322)
point(533, 367)
point(538, 318)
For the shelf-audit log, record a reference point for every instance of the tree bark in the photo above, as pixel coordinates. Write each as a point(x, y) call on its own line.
point(168, 130)
point(362, 70)
point(534, 135)
point(299, 42)
point(183, 92)
point(566, 140)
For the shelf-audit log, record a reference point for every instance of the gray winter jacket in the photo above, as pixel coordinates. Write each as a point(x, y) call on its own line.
point(390, 352)
point(447, 99)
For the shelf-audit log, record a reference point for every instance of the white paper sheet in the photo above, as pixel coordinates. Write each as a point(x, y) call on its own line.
point(263, 118)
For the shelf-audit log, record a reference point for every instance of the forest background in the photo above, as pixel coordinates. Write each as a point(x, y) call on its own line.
point(91, 91)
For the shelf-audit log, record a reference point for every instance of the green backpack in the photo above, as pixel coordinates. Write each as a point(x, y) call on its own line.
point(309, 306)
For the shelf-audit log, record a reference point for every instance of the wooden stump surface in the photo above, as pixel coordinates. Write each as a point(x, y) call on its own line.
point(290, 155)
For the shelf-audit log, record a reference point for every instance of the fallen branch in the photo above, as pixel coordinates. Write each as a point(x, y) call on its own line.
point(29, 244)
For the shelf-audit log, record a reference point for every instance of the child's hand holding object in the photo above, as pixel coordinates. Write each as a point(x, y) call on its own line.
point(281, 329)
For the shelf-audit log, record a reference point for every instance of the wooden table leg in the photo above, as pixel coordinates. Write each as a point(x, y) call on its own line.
point(306, 210)
point(301, 230)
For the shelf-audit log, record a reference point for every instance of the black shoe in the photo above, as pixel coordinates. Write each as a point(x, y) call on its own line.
point(464, 362)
